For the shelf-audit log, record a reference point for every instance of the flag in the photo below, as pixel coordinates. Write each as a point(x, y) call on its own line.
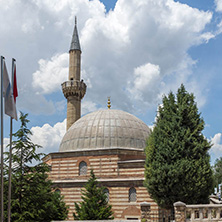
point(10, 108)
point(15, 90)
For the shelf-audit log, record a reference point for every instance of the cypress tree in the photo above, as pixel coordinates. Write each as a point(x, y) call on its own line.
point(177, 160)
point(94, 205)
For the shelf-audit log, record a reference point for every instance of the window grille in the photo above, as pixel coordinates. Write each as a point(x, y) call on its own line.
point(82, 168)
point(132, 194)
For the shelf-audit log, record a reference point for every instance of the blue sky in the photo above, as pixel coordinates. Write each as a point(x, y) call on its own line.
point(133, 51)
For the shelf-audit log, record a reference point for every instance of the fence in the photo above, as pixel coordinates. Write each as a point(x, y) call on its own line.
point(197, 213)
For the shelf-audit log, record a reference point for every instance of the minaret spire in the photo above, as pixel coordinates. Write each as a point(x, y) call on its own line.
point(74, 89)
point(75, 45)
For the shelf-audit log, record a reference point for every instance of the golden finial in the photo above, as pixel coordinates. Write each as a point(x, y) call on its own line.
point(109, 103)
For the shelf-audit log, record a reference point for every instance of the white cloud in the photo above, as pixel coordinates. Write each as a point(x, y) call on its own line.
point(218, 5)
point(88, 106)
point(114, 47)
point(219, 28)
point(216, 149)
point(49, 137)
point(144, 75)
point(37, 31)
point(51, 73)
point(217, 144)
point(145, 79)
point(118, 44)
point(114, 44)
point(6, 142)
point(60, 106)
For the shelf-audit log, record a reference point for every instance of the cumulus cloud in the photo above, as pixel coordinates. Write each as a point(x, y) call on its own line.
point(218, 4)
point(51, 73)
point(217, 144)
point(88, 106)
point(49, 137)
point(216, 149)
point(143, 86)
point(6, 142)
point(114, 44)
point(144, 75)
point(121, 50)
point(40, 31)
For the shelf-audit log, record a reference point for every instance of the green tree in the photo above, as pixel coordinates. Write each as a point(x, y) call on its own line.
point(177, 159)
point(32, 195)
point(217, 169)
point(94, 205)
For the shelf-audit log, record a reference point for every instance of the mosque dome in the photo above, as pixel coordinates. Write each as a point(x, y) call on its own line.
point(106, 129)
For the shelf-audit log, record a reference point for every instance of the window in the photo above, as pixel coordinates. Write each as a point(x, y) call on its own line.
point(132, 194)
point(82, 168)
point(106, 192)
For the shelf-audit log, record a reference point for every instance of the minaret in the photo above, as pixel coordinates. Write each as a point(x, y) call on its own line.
point(74, 89)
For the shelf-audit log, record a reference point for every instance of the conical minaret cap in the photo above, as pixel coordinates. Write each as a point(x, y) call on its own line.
point(75, 45)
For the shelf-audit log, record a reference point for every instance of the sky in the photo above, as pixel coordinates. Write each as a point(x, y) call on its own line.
point(134, 51)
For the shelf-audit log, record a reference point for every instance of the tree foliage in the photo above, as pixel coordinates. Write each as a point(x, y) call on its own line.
point(217, 172)
point(177, 159)
point(32, 196)
point(94, 205)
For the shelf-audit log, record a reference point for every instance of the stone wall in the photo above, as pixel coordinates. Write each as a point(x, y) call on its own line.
point(118, 171)
point(197, 213)
point(118, 199)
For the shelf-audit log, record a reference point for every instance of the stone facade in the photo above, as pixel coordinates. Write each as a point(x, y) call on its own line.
point(117, 169)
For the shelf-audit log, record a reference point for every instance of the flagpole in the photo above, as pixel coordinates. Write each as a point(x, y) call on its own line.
point(2, 176)
point(9, 173)
point(10, 154)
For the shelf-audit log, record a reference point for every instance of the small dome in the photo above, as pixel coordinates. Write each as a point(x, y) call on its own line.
point(106, 129)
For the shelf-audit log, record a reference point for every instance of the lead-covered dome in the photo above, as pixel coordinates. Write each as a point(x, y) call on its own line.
point(106, 129)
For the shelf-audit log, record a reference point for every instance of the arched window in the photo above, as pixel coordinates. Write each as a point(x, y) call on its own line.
point(106, 192)
point(82, 168)
point(132, 194)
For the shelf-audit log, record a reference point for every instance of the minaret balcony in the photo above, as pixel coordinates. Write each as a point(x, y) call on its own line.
point(74, 88)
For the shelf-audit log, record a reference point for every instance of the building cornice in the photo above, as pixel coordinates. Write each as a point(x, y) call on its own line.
point(103, 181)
point(95, 152)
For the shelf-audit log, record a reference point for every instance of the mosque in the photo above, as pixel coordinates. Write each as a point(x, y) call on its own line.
point(111, 142)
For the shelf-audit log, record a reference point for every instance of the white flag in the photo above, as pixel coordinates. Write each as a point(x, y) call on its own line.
point(10, 108)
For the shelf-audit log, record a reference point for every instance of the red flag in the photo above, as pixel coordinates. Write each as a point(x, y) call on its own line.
point(15, 90)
